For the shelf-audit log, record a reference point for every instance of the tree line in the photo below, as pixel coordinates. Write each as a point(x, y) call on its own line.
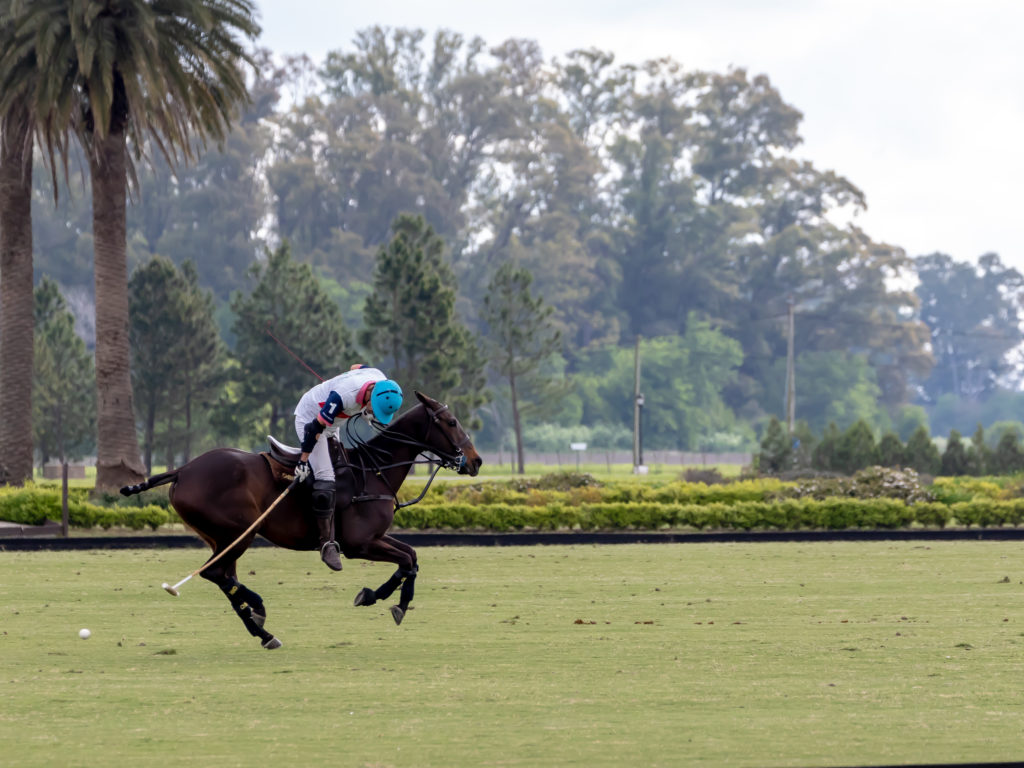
point(855, 448)
point(630, 199)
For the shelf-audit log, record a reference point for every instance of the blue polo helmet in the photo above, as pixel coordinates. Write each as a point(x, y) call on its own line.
point(385, 400)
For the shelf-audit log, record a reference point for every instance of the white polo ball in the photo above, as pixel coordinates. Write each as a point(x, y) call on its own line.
point(84, 634)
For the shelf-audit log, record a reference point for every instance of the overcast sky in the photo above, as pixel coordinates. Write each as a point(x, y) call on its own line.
point(920, 103)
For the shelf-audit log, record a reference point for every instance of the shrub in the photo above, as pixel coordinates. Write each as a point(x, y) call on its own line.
point(708, 476)
point(871, 483)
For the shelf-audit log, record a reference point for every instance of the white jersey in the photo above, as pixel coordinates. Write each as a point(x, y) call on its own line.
point(349, 385)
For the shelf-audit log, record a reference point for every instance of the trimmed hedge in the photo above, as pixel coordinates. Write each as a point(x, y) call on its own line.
point(748, 505)
point(519, 493)
point(787, 514)
point(33, 505)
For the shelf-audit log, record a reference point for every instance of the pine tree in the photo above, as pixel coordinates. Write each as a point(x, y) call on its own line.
point(890, 450)
point(1008, 457)
point(954, 458)
point(177, 353)
point(856, 448)
point(803, 444)
point(825, 452)
point(64, 392)
point(411, 328)
point(289, 301)
point(979, 456)
point(522, 341)
point(921, 453)
point(776, 452)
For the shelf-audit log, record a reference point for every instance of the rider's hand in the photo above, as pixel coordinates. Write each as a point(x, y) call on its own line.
point(302, 471)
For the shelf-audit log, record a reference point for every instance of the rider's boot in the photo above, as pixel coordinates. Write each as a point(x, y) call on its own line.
point(323, 508)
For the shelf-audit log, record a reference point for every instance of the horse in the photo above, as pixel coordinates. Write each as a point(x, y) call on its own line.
point(222, 493)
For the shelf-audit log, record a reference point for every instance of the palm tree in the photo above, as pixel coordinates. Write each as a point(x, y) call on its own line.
point(16, 321)
point(122, 75)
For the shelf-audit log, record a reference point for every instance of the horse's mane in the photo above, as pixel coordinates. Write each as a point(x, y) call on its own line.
point(377, 447)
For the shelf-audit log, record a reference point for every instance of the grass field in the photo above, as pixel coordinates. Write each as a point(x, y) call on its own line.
point(831, 654)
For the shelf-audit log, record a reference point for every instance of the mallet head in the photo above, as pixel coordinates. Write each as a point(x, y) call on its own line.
point(170, 589)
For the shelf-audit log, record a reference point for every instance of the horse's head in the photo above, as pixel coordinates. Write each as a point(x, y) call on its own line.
point(446, 437)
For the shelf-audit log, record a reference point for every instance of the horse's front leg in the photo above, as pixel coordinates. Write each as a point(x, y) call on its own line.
point(390, 550)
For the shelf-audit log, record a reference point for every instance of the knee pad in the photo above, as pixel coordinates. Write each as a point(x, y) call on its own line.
point(323, 498)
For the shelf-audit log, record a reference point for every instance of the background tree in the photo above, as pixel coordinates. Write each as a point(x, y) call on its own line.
point(64, 402)
point(827, 450)
point(1008, 457)
point(803, 445)
point(410, 324)
point(201, 354)
point(522, 341)
point(979, 456)
point(177, 353)
point(683, 380)
point(973, 312)
point(890, 450)
point(16, 324)
point(153, 329)
point(921, 454)
point(776, 452)
point(856, 448)
point(954, 458)
point(288, 299)
point(117, 74)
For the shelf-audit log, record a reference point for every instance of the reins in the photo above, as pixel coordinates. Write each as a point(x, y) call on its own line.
point(364, 451)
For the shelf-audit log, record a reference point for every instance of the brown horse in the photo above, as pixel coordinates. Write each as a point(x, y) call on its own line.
point(223, 492)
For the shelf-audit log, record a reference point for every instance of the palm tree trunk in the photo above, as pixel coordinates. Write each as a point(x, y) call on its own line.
point(17, 322)
point(148, 435)
point(117, 444)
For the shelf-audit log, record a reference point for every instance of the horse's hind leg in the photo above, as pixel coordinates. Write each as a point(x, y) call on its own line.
point(388, 549)
point(246, 603)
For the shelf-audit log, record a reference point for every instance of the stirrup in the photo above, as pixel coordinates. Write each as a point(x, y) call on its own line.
point(325, 556)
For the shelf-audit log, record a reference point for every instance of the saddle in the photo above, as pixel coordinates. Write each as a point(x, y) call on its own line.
point(281, 459)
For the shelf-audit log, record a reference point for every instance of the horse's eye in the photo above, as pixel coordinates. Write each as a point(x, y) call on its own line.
point(452, 422)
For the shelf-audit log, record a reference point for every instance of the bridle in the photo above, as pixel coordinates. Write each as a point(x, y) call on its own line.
point(455, 460)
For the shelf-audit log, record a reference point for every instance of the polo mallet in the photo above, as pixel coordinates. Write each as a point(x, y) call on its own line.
point(174, 589)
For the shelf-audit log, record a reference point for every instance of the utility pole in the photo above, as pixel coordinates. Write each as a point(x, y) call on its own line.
point(638, 404)
point(790, 372)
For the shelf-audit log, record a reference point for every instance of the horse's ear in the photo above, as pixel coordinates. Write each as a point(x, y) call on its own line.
point(422, 398)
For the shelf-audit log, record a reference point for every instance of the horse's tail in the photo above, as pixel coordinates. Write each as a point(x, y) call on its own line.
point(151, 482)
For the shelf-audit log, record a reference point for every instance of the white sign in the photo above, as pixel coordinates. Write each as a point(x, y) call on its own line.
point(578, 446)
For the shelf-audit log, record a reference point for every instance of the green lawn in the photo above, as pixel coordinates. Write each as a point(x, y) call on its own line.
point(661, 655)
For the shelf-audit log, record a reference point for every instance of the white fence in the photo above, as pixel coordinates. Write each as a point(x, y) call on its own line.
point(568, 459)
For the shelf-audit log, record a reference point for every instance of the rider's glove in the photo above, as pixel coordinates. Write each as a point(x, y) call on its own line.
point(302, 471)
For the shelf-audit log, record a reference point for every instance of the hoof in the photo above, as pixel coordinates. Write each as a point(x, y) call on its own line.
point(272, 643)
point(365, 597)
point(397, 614)
point(259, 620)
